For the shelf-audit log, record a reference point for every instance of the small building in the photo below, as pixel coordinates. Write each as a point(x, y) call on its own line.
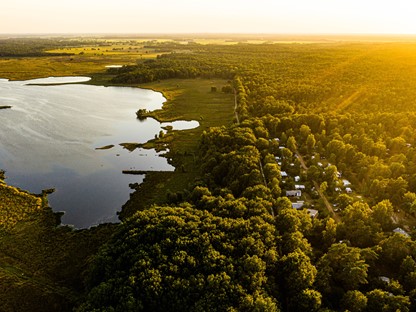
point(339, 174)
point(294, 193)
point(348, 190)
point(313, 212)
point(346, 182)
point(384, 279)
point(283, 174)
point(320, 164)
point(337, 189)
point(298, 205)
point(299, 186)
point(297, 178)
point(401, 231)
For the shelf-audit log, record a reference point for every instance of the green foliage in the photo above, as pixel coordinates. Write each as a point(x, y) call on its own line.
point(173, 66)
point(233, 243)
point(16, 205)
point(297, 272)
point(382, 214)
point(180, 259)
point(342, 266)
point(379, 300)
point(408, 273)
point(329, 233)
point(349, 110)
point(358, 226)
point(354, 301)
point(306, 300)
point(40, 261)
point(396, 248)
point(25, 47)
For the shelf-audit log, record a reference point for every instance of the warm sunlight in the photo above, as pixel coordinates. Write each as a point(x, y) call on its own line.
point(264, 16)
point(189, 155)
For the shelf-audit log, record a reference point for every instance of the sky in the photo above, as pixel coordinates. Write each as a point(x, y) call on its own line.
point(213, 16)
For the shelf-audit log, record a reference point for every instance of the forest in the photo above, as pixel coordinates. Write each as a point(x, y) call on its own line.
point(305, 202)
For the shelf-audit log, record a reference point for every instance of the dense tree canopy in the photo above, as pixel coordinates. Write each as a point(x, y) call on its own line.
point(333, 121)
point(176, 259)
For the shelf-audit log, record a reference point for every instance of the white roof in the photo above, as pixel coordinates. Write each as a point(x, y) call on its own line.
point(384, 279)
point(346, 182)
point(296, 193)
point(283, 173)
point(313, 212)
point(401, 231)
point(297, 205)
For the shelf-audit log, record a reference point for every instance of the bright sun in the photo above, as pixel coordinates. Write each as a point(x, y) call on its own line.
point(233, 16)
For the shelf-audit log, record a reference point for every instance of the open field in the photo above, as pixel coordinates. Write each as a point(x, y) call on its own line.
point(187, 99)
point(88, 59)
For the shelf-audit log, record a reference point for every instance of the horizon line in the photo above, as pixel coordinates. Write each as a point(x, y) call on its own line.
point(209, 33)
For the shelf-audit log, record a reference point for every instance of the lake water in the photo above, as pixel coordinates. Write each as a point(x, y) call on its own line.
point(48, 139)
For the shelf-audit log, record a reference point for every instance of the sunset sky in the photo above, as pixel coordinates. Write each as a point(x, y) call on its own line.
point(214, 16)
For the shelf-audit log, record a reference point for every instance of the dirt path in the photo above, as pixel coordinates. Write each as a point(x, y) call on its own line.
point(236, 106)
point(322, 195)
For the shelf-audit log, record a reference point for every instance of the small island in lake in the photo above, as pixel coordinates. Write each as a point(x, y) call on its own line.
point(105, 147)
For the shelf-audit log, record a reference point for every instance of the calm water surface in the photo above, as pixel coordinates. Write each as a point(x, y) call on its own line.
point(48, 139)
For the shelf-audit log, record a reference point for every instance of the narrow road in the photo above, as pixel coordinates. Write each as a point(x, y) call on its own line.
point(265, 183)
point(322, 195)
point(236, 106)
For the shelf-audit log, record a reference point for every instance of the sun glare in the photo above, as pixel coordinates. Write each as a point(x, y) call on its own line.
point(263, 16)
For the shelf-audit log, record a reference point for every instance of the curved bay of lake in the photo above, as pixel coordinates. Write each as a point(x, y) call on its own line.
point(48, 139)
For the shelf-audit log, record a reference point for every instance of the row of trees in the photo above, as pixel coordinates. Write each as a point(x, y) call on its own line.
point(31, 47)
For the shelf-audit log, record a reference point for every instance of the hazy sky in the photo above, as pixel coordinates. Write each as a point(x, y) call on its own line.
point(215, 16)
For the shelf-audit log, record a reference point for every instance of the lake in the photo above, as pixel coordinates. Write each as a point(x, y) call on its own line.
point(48, 139)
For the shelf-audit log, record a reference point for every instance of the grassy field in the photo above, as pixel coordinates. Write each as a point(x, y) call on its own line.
point(82, 60)
point(134, 51)
point(40, 67)
point(189, 99)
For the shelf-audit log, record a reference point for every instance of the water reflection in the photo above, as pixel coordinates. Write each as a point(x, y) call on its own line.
point(48, 139)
